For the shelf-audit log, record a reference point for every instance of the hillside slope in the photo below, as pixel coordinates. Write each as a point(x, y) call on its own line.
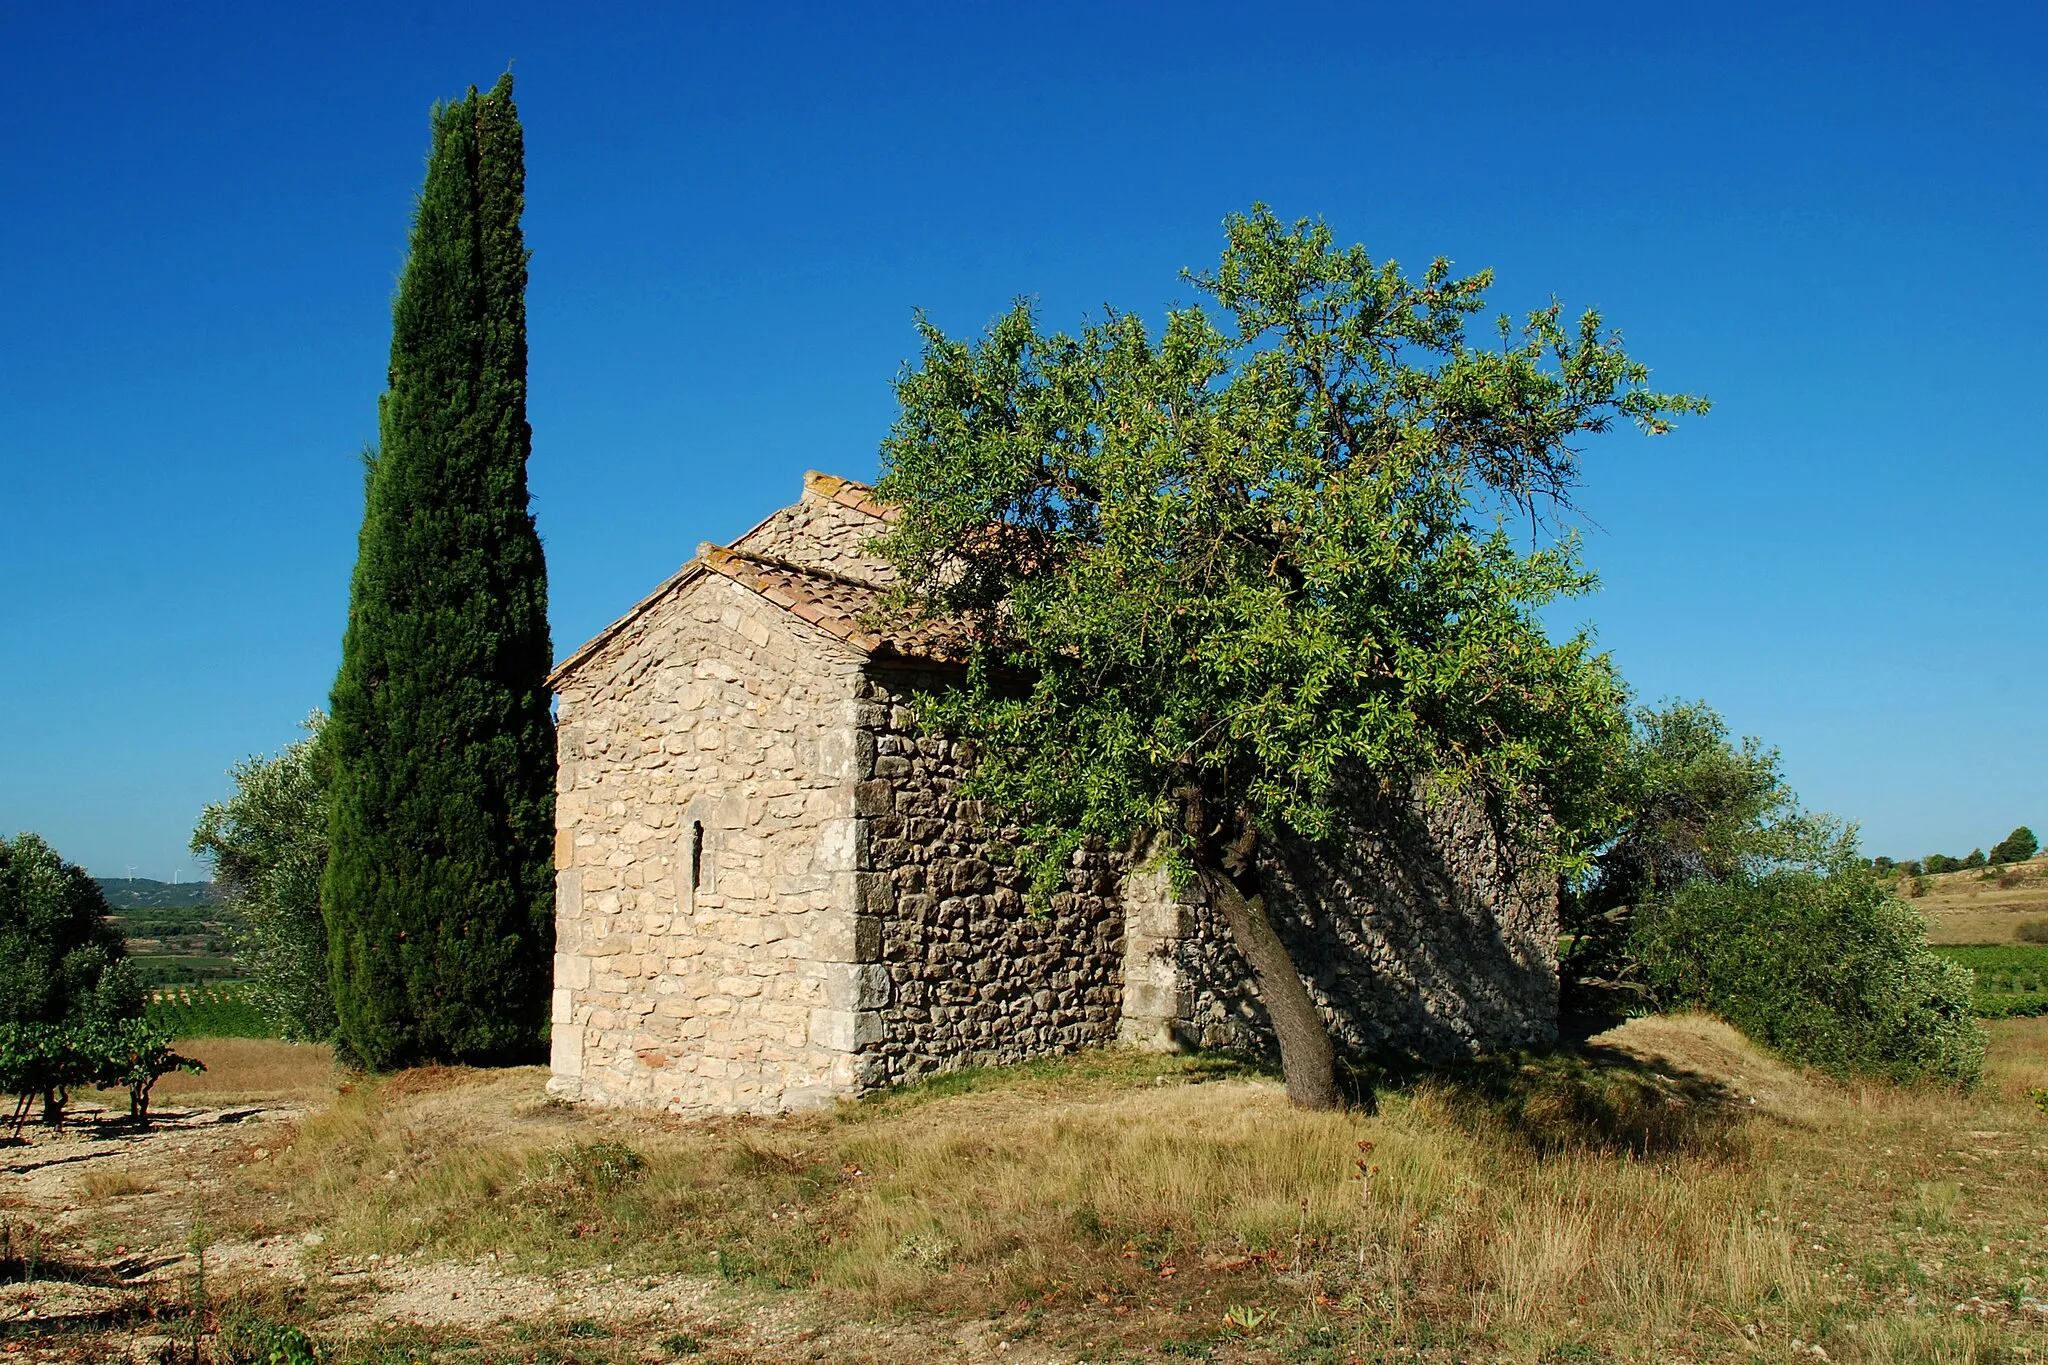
point(140, 893)
point(1984, 905)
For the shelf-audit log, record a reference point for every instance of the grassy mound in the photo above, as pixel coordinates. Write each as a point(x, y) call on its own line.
point(1669, 1191)
point(1516, 1190)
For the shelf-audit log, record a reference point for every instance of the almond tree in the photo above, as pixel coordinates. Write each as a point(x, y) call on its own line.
point(1217, 573)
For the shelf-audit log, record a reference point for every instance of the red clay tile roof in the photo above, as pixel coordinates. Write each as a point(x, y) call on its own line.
point(839, 605)
point(836, 604)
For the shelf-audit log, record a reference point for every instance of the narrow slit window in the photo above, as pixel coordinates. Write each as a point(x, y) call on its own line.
point(696, 855)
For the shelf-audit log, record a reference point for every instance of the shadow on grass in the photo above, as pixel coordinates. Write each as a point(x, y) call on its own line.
point(1069, 1071)
point(1581, 1098)
point(1576, 1097)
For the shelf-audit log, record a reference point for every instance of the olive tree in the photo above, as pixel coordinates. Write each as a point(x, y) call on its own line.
point(1211, 574)
point(268, 845)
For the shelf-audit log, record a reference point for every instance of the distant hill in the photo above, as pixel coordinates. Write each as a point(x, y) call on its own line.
point(140, 893)
point(1985, 905)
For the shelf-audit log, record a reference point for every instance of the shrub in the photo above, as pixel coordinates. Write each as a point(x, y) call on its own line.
point(51, 1060)
point(2016, 847)
point(2032, 931)
point(1829, 969)
point(603, 1168)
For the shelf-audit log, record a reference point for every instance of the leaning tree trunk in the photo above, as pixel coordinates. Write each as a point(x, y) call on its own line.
point(1307, 1059)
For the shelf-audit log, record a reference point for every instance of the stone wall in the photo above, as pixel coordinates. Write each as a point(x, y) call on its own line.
point(713, 738)
point(819, 533)
point(1423, 931)
point(964, 973)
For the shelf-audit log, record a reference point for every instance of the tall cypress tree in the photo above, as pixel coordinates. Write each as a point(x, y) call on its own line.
point(439, 893)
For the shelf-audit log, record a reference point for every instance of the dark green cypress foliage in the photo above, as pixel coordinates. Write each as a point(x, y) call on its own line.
point(439, 892)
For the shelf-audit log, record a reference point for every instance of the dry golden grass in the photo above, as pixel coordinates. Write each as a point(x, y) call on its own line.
point(1983, 905)
point(1670, 1189)
point(1666, 1192)
point(102, 1185)
point(239, 1070)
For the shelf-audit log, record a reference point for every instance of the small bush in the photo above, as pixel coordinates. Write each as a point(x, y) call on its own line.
point(253, 1338)
point(1830, 970)
point(2032, 931)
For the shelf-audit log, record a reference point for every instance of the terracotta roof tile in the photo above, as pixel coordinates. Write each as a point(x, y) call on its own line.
point(847, 493)
point(841, 606)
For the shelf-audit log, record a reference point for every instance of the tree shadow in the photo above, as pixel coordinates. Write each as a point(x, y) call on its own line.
point(27, 1256)
point(1583, 1098)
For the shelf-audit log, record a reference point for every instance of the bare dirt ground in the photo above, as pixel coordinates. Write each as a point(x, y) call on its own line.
point(97, 1216)
point(105, 1248)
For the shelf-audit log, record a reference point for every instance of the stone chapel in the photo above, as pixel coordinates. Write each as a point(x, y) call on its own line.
point(771, 894)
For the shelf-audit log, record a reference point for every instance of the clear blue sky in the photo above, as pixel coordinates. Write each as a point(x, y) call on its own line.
point(1829, 221)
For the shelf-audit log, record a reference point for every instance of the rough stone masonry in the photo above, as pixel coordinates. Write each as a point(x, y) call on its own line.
point(772, 893)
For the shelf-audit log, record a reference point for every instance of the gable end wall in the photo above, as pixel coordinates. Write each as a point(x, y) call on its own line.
point(736, 994)
point(819, 533)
